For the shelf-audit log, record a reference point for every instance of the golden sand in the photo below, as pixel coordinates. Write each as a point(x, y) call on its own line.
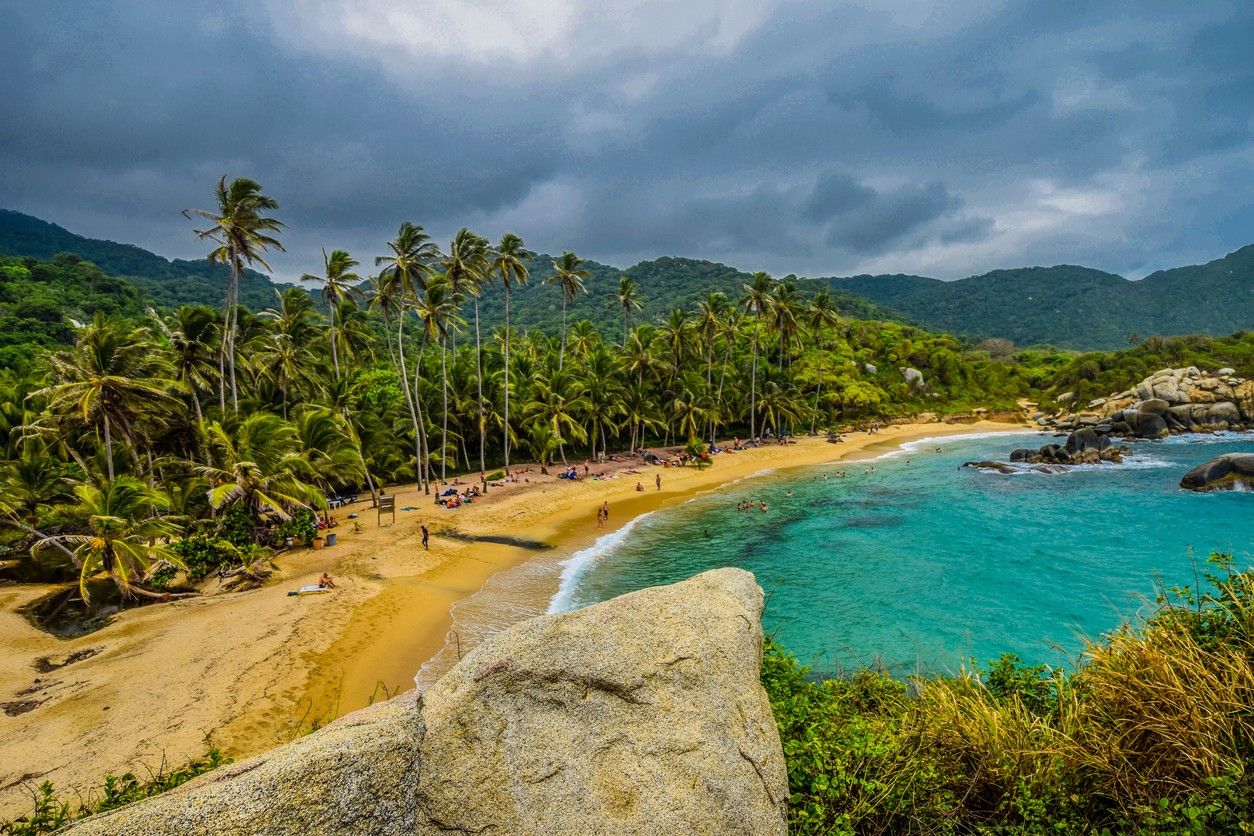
point(250, 670)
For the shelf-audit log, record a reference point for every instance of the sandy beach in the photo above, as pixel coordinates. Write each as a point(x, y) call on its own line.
point(249, 670)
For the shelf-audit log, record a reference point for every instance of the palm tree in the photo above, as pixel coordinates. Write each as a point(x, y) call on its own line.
point(785, 309)
point(757, 301)
point(113, 380)
point(437, 310)
point(405, 269)
point(628, 298)
point(260, 467)
point(339, 284)
point(242, 232)
point(603, 394)
point(189, 337)
point(509, 262)
point(468, 269)
point(123, 523)
point(328, 445)
point(558, 400)
point(568, 274)
point(821, 313)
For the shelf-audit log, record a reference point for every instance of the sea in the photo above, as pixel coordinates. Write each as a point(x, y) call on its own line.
point(917, 565)
point(911, 563)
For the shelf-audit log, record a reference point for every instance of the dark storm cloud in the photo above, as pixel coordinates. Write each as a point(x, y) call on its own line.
point(828, 138)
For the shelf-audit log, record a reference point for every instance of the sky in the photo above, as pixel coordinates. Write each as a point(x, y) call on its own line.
point(825, 138)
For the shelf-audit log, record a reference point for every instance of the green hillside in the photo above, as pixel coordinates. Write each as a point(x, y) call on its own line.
point(39, 300)
point(1074, 307)
point(167, 283)
point(665, 284)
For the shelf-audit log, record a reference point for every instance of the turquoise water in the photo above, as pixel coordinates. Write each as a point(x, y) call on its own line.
point(921, 565)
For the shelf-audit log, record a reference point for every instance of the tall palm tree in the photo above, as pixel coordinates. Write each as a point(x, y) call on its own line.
point(757, 301)
point(242, 232)
point(568, 274)
point(628, 299)
point(785, 313)
point(510, 263)
point(437, 310)
point(821, 313)
point(123, 528)
point(468, 268)
point(339, 284)
point(113, 380)
point(405, 269)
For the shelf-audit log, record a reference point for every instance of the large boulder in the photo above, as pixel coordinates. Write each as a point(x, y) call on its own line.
point(1153, 406)
point(643, 715)
point(1234, 471)
point(913, 377)
point(1146, 424)
point(1243, 396)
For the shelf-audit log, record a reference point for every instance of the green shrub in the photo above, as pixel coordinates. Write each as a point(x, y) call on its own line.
point(50, 813)
point(203, 555)
point(301, 526)
point(1153, 732)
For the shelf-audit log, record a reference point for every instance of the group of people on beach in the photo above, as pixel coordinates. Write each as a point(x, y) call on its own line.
point(603, 514)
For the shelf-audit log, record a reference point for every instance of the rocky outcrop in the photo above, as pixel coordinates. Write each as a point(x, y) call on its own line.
point(1234, 471)
point(1169, 401)
point(913, 377)
point(642, 715)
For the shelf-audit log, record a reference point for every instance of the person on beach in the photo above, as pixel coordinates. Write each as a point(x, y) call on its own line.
point(658, 481)
point(426, 537)
point(325, 582)
point(605, 510)
point(639, 487)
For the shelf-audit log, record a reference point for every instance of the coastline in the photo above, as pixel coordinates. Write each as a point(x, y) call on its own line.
point(153, 689)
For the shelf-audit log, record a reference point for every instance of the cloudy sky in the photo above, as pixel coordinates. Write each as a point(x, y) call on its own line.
point(818, 138)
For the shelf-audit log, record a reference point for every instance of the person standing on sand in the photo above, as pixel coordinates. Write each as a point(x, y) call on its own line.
point(658, 481)
point(600, 517)
point(426, 537)
point(605, 511)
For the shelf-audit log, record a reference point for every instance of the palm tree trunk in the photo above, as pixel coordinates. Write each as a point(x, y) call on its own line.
point(753, 391)
point(483, 428)
point(108, 442)
point(505, 440)
point(335, 360)
point(422, 423)
point(814, 416)
point(444, 394)
point(409, 397)
point(233, 292)
point(561, 352)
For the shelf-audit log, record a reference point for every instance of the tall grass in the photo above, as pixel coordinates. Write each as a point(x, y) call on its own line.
point(1152, 732)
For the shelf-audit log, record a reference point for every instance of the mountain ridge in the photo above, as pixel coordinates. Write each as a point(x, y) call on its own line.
point(1065, 305)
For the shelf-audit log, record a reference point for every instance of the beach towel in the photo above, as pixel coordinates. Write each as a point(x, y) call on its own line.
point(308, 590)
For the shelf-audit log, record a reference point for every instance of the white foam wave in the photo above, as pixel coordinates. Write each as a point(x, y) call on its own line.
point(1221, 437)
point(939, 440)
point(579, 563)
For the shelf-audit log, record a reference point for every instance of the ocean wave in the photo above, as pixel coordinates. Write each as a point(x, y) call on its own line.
point(935, 440)
point(1221, 437)
point(578, 564)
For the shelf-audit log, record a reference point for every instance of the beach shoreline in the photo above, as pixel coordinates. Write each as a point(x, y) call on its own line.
point(250, 670)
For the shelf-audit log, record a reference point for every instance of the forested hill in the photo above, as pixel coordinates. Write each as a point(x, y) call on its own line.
point(1074, 307)
point(167, 283)
point(664, 283)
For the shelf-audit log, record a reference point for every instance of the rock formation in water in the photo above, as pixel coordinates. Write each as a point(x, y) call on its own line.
point(1168, 401)
point(643, 714)
point(1234, 471)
